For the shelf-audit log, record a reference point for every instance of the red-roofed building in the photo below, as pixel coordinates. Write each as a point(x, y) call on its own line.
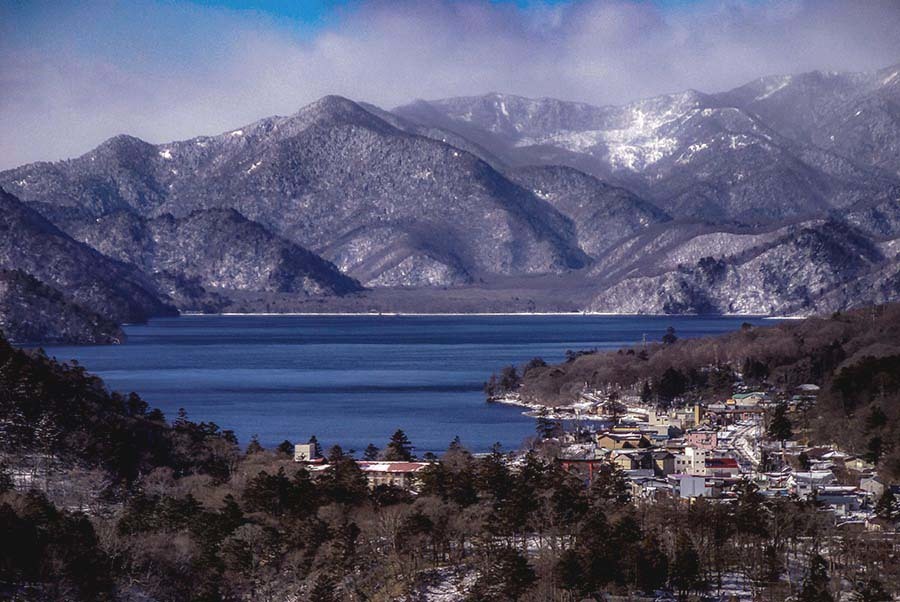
point(722, 467)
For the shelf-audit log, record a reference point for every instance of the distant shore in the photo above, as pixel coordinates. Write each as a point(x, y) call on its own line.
point(520, 313)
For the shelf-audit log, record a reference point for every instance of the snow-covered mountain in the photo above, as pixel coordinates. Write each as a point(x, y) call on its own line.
point(386, 206)
point(783, 147)
point(782, 195)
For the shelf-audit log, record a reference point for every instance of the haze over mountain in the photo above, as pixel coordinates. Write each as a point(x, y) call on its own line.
point(780, 196)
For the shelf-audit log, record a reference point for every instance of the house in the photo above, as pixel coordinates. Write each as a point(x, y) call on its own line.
point(689, 486)
point(873, 485)
point(722, 467)
point(858, 464)
point(397, 474)
point(690, 461)
point(649, 487)
point(841, 500)
point(663, 462)
point(632, 459)
point(583, 467)
point(704, 438)
point(747, 399)
point(804, 483)
point(306, 452)
point(611, 440)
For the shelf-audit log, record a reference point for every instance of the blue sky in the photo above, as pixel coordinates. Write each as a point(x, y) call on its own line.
point(76, 73)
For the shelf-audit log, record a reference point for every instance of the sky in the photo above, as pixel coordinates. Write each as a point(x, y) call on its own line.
point(73, 74)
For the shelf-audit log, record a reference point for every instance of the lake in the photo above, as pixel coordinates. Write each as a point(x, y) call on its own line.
point(355, 379)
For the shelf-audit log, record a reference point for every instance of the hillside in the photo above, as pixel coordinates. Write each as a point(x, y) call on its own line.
point(781, 196)
point(387, 207)
point(114, 290)
point(31, 311)
point(217, 248)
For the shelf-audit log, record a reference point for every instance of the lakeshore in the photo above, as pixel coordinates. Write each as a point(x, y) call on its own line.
point(353, 379)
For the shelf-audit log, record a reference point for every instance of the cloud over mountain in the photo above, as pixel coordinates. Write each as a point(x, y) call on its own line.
point(171, 70)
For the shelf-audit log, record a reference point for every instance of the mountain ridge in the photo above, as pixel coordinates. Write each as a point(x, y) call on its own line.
point(789, 185)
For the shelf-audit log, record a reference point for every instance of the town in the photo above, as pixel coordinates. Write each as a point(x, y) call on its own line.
point(689, 452)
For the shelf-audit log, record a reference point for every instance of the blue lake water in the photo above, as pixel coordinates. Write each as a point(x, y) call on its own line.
point(353, 380)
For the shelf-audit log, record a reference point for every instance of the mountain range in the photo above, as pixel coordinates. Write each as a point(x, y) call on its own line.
point(781, 196)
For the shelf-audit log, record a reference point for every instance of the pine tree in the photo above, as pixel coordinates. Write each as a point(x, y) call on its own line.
point(545, 427)
point(871, 590)
point(669, 338)
point(286, 448)
point(254, 447)
point(888, 506)
point(399, 449)
point(371, 452)
point(6, 482)
point(317, 449)
point(646, 392)
point(685, 573)
point(324, 590)
point(780, 429)
point(815, 586)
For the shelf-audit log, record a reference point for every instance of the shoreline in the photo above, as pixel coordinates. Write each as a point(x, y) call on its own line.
point(535, 410)
point(488, 314)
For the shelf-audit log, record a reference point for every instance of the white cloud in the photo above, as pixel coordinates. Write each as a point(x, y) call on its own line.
point(71, 78)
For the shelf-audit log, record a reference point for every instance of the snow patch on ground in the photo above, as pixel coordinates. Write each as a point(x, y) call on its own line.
point(775, 86)
point(890, 78)
point(254, 166)
point(166, 153)
point(446, 585)
point(237, 133)
point(638, 140)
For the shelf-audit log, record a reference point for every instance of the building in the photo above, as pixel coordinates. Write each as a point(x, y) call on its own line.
point(610, 440)
point(689, 486)
point(690, 461)
point(804, 483)
point(841, 500)
point(306, 452)
point(663, 462)
point(632, 459)
point(704, 438)
point(722, 467)
point(396, 474)
point(747, 399)
point(872, 485)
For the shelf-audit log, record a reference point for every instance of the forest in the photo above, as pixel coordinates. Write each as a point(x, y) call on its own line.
point(104, 498)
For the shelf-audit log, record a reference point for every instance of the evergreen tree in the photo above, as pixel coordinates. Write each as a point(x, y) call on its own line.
point(371, 452)
point(506, 577)
point(6, 482)
point(815, 586)
point(646, 392)
point(871, 590)
point(671, 384)
point(399, 448)
point(317, 449)
point(254, 447)
point(286, 448)
point(685, 573)
point(324, 590)
point(888, 507)
point(669, 338)
point(780, 428)
point(545, 427)
point(509, 379)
